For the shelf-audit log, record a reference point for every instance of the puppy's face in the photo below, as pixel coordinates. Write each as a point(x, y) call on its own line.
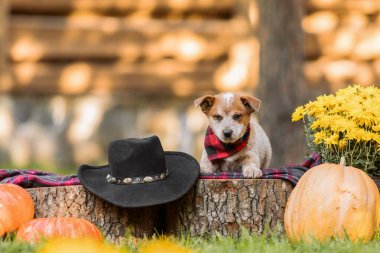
point(228, 114)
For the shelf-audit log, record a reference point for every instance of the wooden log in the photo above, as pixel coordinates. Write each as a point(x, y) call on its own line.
point(121, 6)
point(312, 47)
point(223, 205)
point(210, 206)
point(364, 6)
point(109, 38)
point(75, 201)
point(165, 77)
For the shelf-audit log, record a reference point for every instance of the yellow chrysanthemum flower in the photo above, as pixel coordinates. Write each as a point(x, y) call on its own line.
point(163, 245)
point(319, 137)
point(62, 245)
point(342, 144)
point(376, 139)
point(333, 139)
point(298, 114)
point(345, 123)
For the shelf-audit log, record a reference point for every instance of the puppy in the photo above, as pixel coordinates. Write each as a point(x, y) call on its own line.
point(234, 140)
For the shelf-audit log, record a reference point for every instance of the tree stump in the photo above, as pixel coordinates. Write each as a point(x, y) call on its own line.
point(223, 205)
point(210, 206)
point(113, 221)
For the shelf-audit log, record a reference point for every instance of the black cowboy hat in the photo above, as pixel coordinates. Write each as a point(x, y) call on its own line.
point(140, 173)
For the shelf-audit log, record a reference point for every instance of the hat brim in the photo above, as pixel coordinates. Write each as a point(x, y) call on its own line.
point(183, 172)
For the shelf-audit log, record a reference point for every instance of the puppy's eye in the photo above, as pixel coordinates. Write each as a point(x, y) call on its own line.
point(236, 116)
point(217, 117)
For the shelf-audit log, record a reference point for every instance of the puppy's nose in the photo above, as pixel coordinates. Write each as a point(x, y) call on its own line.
point(227, 133)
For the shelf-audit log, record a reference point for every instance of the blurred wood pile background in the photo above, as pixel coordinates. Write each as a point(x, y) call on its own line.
point(342, 42)
point(155, 47)
point(80, 73)
point(76, 74)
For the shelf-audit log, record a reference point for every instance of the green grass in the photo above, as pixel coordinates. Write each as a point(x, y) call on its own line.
point(66, 170)
point(9, 245)
point(16, 247)
point(252, 244)
point(246, 244)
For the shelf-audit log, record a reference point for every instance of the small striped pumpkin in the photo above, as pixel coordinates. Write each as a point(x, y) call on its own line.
point(60, 227)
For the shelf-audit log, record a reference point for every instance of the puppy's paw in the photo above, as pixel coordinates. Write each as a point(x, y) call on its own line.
point(207, 168)
point(251, 172)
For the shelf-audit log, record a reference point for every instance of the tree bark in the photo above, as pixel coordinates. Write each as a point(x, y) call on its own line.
point(222, 205)
point(75, 201)
point(282, 86)
point(4, 80)
point(211, 206)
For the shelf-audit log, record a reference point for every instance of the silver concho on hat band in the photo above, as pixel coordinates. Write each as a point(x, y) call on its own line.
point(137, 180)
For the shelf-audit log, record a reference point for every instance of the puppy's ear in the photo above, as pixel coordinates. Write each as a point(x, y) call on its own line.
point(251, 103)
point(205, 103)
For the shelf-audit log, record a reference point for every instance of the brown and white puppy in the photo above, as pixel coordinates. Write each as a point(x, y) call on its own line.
point(229, 115)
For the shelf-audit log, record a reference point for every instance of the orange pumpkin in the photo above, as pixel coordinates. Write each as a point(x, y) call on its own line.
point(16, 207)
point(63, 227)
point(332, 200)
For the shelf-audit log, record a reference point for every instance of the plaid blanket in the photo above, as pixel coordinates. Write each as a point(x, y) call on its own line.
point(35, 178)
point(216, 149)
point(291, 173)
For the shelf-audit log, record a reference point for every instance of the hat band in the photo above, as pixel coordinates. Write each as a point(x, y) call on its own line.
point(137, 180)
